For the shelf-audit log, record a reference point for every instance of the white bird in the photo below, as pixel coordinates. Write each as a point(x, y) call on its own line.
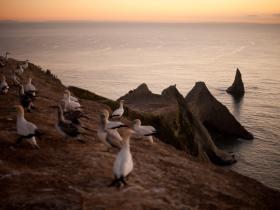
point(27, 130)
point(69, 104)
point(118, 112)
point(123, 164)
point(66, 128)
point(25, 64)
point(29, 88)
point(4, 87)
point(112, 124)
point(72, 98)
point(110, 137)
point(25, 99)
point(2, 64)
point(15, 78)
point(7, 55)
point(19, 70)
point(146, 132)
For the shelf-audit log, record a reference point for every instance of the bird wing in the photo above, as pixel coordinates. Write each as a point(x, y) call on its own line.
point(113, 138)
point(26, 128)
point(118, 112)
point(145, 130)
point(114, 124)
point(127, 165)
point(117, 164)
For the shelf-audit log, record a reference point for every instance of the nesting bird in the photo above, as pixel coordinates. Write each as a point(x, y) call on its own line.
point(25, 64)
point(112, 124)
point(146, 132)
point(110, 137)
point(2, 63)
point(24, 99)
point(70, 104)
point(7, 55)
point(72, 98)
point(123, 164)
point(30, 89)
point(15, 78)
point(4, 87)
point(27, 130)
point(66, 127)
point(118, 112)
point(19, 70)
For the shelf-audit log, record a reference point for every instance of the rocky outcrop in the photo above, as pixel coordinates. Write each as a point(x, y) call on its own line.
point(237, 88)
point(213, 114)
point(177, 125)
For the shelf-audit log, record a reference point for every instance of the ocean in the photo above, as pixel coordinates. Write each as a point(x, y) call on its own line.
point(112, 58)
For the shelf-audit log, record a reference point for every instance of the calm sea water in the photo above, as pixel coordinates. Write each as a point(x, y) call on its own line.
point(111, 59)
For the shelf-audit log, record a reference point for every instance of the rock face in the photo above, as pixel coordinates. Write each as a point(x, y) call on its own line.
point(177, 126)
point(237, 88)
point(71, 175)
point(213, 114)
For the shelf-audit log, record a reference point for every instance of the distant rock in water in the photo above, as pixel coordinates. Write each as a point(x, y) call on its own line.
point(213, 114)
point(237, 88)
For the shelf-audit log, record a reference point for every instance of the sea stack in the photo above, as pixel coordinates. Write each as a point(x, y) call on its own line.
point(237, 88)
point(213, 114)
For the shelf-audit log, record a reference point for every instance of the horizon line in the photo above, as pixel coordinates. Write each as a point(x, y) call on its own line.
point(137, 22)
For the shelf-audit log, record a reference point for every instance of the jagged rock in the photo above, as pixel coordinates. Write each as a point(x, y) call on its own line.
point(213, 114)
point(237, 87)
point(168, 93)
point(190, 130)
point(177, 125)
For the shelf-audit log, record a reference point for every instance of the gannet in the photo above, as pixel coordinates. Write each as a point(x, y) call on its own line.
point(65, 127)
point(7, 55)
point(29, 88)
point(110, 137)
point(118, 112)
point(69, 104)
point(26, 129)
point(143, 131)
point(19, 70)
point(123, 164)
point(3, 85)
point(72, 98)
point(25, 64)
point(25, 100)
point(15, 79)
point(112, 124)
point(2, 64)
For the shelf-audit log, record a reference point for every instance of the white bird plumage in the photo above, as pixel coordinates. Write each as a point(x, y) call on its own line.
point(15, 78)
point(19, 70)
point(70, 104)
point(30, 88)
point(25, 64)
point(143, 131)
point(4, 87)
point(110, 137)
point(123, 164)
point(118, 112)
point(26, 128)
point(112, 124)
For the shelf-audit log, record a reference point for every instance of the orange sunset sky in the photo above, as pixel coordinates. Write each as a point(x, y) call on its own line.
point(259, 11)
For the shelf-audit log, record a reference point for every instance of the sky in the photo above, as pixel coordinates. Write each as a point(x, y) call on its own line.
point(258, 11)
